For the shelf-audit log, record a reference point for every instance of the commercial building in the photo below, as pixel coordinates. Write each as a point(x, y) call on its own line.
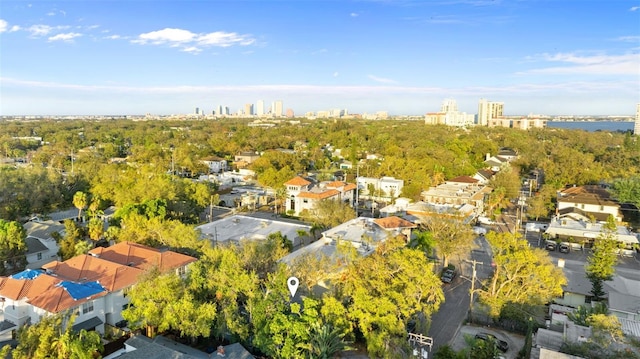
point(488, 110)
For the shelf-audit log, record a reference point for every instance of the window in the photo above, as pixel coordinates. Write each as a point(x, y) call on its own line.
point(182, 271)
point(39, 256)
point(587, 299)
point(305, 200)
point(87, 307)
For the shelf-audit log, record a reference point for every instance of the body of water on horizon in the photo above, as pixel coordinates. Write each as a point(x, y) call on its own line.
point(592, 126)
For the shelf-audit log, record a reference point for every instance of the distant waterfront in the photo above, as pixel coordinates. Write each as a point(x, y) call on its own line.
point(592, 126)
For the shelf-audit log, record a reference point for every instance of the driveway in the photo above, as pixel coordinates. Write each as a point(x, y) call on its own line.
point(516, 341)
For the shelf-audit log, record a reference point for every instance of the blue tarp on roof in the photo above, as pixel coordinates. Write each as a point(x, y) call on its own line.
point(81, 290)
point(27, 274)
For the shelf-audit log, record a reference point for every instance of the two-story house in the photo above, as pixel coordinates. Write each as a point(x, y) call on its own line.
point(462, 190)
point(92, 285)
point(303, 194)
point(586, 203)
point(215, 164)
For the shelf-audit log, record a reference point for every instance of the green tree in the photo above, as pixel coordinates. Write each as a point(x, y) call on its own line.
point(95, 228)
point(522, 275)
point(328, 213)
point(603, 259)
point(452, 237)
point(581, 315)
point(53, 337)
point(388, 289)
point(150, 301)
point(627, 190)
point(13, 246)
point(220, 277)
point(73, 234)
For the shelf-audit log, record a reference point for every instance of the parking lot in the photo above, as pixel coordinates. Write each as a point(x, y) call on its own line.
point(515, 341)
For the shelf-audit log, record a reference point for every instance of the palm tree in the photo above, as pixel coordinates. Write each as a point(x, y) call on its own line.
point(80, 200)
point(326, 342)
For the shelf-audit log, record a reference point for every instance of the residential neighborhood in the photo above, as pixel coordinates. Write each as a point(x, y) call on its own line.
point(185, 262)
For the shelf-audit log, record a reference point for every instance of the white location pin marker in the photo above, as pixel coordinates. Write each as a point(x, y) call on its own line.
point(293, 283)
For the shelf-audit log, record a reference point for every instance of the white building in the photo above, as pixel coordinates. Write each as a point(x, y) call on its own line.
point(450, 116)
point(636, 127)
point(259, 108)
point(215, 164)
point(277, 109)
point(91, 285)
point(303, 194)
point(238, 228)
point(384, 187)
point(488, 110)
point(587, 202)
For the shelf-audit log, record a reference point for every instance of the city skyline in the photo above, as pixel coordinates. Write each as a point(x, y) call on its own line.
point(400, 56)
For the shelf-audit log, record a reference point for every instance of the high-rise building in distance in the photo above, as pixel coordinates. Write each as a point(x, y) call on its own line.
point(277, 109)
point(636, 127)
point(488, 110)
point(259, 110)
point(248, 109)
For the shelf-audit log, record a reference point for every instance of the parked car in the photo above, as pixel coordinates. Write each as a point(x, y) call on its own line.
point(501, 344)
point(564, 248)
point(447, 275)
point(550, 245)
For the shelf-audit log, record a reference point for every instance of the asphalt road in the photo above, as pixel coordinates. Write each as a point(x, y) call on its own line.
point(453, 312)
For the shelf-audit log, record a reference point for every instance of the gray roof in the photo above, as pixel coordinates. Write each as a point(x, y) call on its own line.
point(235, 351)
point(237, 227)
point(34, 245)
point(43, 229)
point(60, 216)
point(160, 348)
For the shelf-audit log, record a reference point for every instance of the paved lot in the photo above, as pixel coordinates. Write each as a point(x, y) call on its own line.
point(515, 341)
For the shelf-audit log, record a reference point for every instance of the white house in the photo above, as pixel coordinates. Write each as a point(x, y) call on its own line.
point(92, 285)
point(303, 194)
point(586, 203)
point(385, 187)
point(41, 246)
point(215, 164)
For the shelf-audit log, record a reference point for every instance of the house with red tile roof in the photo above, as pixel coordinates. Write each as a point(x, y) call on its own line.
point(304, 193)
point(92, 285)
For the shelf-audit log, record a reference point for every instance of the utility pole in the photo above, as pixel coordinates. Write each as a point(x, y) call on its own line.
point(211, 209)
point(473, 283)
point(357, 185)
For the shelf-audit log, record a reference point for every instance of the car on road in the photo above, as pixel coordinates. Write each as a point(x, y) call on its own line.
point(447, 275)
point(564, 248)
point(550, 245)
point(501, 344)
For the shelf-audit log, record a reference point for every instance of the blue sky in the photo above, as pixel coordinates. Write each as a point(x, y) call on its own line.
point(168, 57)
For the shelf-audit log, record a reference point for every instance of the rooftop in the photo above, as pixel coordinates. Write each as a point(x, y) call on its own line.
point(238, 227)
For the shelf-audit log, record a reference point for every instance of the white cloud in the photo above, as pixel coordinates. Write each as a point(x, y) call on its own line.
point(629, 38)
point(3, 25)
point(626, 64)
point(39, 30)
point(354, 14)
point(192, 50)
point(336, 74)
point(113, 37)
point(15, 28)
point(164, 36)
point(224, 39)
point(381, 79)
point(188, 40)
point(634, 8)
point(43, 30)
point(65, 37)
